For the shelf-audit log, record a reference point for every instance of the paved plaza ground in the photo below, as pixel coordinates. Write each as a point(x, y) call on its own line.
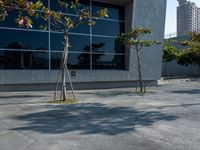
point(168, 118)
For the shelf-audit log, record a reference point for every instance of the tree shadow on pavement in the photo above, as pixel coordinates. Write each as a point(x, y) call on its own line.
point(193, 91)
point(89, 118)
point(21, 96)
point(108, 94)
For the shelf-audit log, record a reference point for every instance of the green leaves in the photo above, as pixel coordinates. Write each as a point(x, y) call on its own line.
point(137, 33)
point(191, 53)
point(103, 13)
point(91, 22)
point(74, 3)
point(3, 11)
point(56, 16)
point(28, 9)
point(63, 4)
point(170, 53)
point(3, 14)
point(134, 38)
point(69, 23)
point(43, 27)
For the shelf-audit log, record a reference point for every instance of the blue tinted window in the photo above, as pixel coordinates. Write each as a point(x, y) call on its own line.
point(55, 5)
point(10, 21)
point(107, 45)
point(105, 61)
point(79, 61)
point(55, 60)
point(75, 60)
point(16, 46)
point(79, 28)
point(16, 39)
point(23, 60)
point(45, 2)
point(78, 43)
point(108, 28)
point(115, 12)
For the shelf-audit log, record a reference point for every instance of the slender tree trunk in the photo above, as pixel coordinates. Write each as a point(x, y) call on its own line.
point(64, 71)
point(65, 56)
point(139, 71)
point(64, 90)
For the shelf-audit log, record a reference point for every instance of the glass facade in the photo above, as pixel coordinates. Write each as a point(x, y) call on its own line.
point(91, 47)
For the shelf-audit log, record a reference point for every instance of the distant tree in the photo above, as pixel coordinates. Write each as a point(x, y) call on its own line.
point(84, 58)
point(27, 9)
point(134, 39)
point(2, 61)
point(170, 53)
point(190, 55)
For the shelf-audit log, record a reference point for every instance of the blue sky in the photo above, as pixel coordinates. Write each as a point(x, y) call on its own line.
point(171, 15)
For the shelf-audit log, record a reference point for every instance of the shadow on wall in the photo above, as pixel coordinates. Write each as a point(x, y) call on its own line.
point(90, 118)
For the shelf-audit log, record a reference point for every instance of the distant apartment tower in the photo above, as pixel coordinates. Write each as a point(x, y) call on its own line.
point(188, 17)
point(198, 20)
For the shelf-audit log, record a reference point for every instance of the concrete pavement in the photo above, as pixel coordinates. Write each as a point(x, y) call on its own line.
point(115, 119)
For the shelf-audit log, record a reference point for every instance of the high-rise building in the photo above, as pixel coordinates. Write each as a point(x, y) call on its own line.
point(198, 20)
point(188, 15)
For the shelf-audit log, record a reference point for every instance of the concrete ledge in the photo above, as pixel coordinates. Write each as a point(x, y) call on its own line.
point(177, 80)
point(77, 86)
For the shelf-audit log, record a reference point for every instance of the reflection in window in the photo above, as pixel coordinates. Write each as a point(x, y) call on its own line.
point(29, 49)
point(96, 48)
point(82, 28)
point(56, 6)
point(77, 42)
point(15, 39)
point(55, 60)
point(105, 61)
point(109, 45)
point(23, 60)
point(109, 28)
point(75, 60)
point(115, 12)
point(45, 2)
point(10, 21)
point(84, 57)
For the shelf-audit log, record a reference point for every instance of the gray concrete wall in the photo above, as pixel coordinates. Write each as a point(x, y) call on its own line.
point(76, 86)
point(146, 13)
point(151, 14)
point(176, 70)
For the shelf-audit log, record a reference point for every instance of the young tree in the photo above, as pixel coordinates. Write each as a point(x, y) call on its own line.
point(22, 7)
point(27, 9)
point(191, 54)
point(134, 39)
point(169, 53)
